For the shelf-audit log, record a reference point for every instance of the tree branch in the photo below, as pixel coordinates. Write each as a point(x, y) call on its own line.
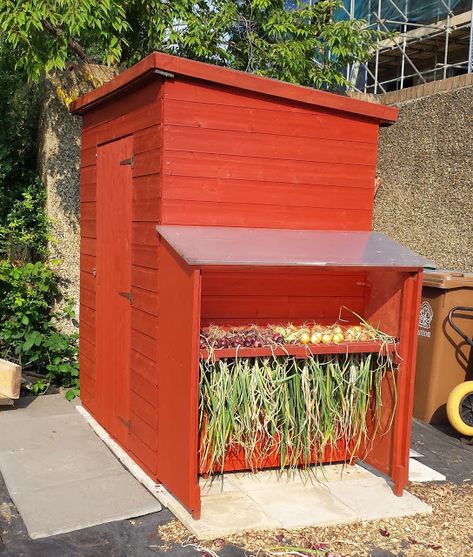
point(72, 43)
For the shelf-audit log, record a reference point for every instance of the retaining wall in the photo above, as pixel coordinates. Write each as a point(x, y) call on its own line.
point(425, 165)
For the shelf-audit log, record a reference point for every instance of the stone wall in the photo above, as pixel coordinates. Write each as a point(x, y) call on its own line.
point(426, 169)
point(59, 163)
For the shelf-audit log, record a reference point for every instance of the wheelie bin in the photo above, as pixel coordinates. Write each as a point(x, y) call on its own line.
point(444, 356)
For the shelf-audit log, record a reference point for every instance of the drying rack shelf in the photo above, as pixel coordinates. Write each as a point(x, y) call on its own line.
point(301, 351)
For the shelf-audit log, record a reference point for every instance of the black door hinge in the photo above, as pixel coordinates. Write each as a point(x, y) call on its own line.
point(128, 295)
point(126, 423)
point(130, 161)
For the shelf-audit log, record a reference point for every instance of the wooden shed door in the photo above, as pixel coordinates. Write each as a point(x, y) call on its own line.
point(113, 320)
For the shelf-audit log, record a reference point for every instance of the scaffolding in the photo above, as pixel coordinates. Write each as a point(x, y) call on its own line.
point(433, 40)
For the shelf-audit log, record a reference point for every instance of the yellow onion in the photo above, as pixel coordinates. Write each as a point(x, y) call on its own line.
point(326, 338)
point(338, 338)
point(305, 338)
point(316, 338)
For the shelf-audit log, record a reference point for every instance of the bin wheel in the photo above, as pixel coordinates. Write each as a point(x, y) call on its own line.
point(460, 408)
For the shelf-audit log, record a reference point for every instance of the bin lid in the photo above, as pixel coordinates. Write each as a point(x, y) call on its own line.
point(215, 245)
point(447, 279)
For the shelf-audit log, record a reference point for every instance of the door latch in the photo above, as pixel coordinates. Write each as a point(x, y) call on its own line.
point(128, 295)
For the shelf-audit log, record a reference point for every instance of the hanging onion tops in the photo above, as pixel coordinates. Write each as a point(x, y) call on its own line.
point(290, 411)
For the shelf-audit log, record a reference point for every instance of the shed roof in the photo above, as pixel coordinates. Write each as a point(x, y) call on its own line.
point(169, 66)
point(213, 245)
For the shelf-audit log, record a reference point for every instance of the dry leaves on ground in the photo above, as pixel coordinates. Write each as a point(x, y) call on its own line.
point(447, 532)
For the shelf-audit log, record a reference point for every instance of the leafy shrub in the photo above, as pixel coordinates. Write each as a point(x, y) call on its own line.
point(29, 284)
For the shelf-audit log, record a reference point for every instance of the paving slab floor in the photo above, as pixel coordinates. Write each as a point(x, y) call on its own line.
point(328, 495)
point(140, 537)
point(59, 474)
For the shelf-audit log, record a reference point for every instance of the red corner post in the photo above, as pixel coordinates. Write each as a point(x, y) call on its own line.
point(178, 377)
point(411, 296)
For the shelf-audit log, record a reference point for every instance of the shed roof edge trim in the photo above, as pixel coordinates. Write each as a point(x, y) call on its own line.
point(237, 79)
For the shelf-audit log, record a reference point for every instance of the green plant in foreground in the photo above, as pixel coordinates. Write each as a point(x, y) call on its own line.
point(297, 410)
point(30, 332)
point(29, 326)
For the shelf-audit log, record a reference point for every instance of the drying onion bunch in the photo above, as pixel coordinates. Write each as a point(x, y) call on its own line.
point(253, 336)
point(256, 336)
point(295, 411)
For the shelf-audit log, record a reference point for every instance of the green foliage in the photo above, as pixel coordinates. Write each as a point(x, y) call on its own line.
point(293, 41)
point(29, 331)
point(42, 30)
point(19, 109)
point(24, 232)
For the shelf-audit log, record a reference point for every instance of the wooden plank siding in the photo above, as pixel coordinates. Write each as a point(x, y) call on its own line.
point(275, 296)
point(240, 159)
point(138, 114)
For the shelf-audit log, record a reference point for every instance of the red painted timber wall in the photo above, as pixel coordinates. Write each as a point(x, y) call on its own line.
point(213, 155)
point(139, 115)
point(242, 159)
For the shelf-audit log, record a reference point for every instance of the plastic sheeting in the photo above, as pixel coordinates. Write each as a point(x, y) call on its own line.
point(215, 245)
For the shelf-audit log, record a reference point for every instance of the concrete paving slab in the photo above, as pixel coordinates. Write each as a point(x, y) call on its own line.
point(316, 476)
point(218, 485)
point(78, 504)
point(419, 472)
point(269, 499)
point(32, 433)
point(415, 454)
point(28, 469)
point(248, 481)
point(224, 514)
point(340, 472)
point(372, 499)
point(298, 506)
point(232, 513)
point(60, 474)
point(41, 406)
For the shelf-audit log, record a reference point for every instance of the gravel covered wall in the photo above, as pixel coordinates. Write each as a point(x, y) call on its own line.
point(59, 172)
point(59, 164)
point(426, 168)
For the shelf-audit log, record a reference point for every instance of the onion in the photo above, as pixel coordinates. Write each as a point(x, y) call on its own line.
point(326, 338)
point(338, 338)
point(305, 338)
point(316, 338)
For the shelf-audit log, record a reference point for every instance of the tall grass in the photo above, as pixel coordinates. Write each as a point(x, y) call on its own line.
point(295, 411)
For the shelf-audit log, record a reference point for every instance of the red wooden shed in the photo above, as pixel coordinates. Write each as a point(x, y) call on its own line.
point(263, 195)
